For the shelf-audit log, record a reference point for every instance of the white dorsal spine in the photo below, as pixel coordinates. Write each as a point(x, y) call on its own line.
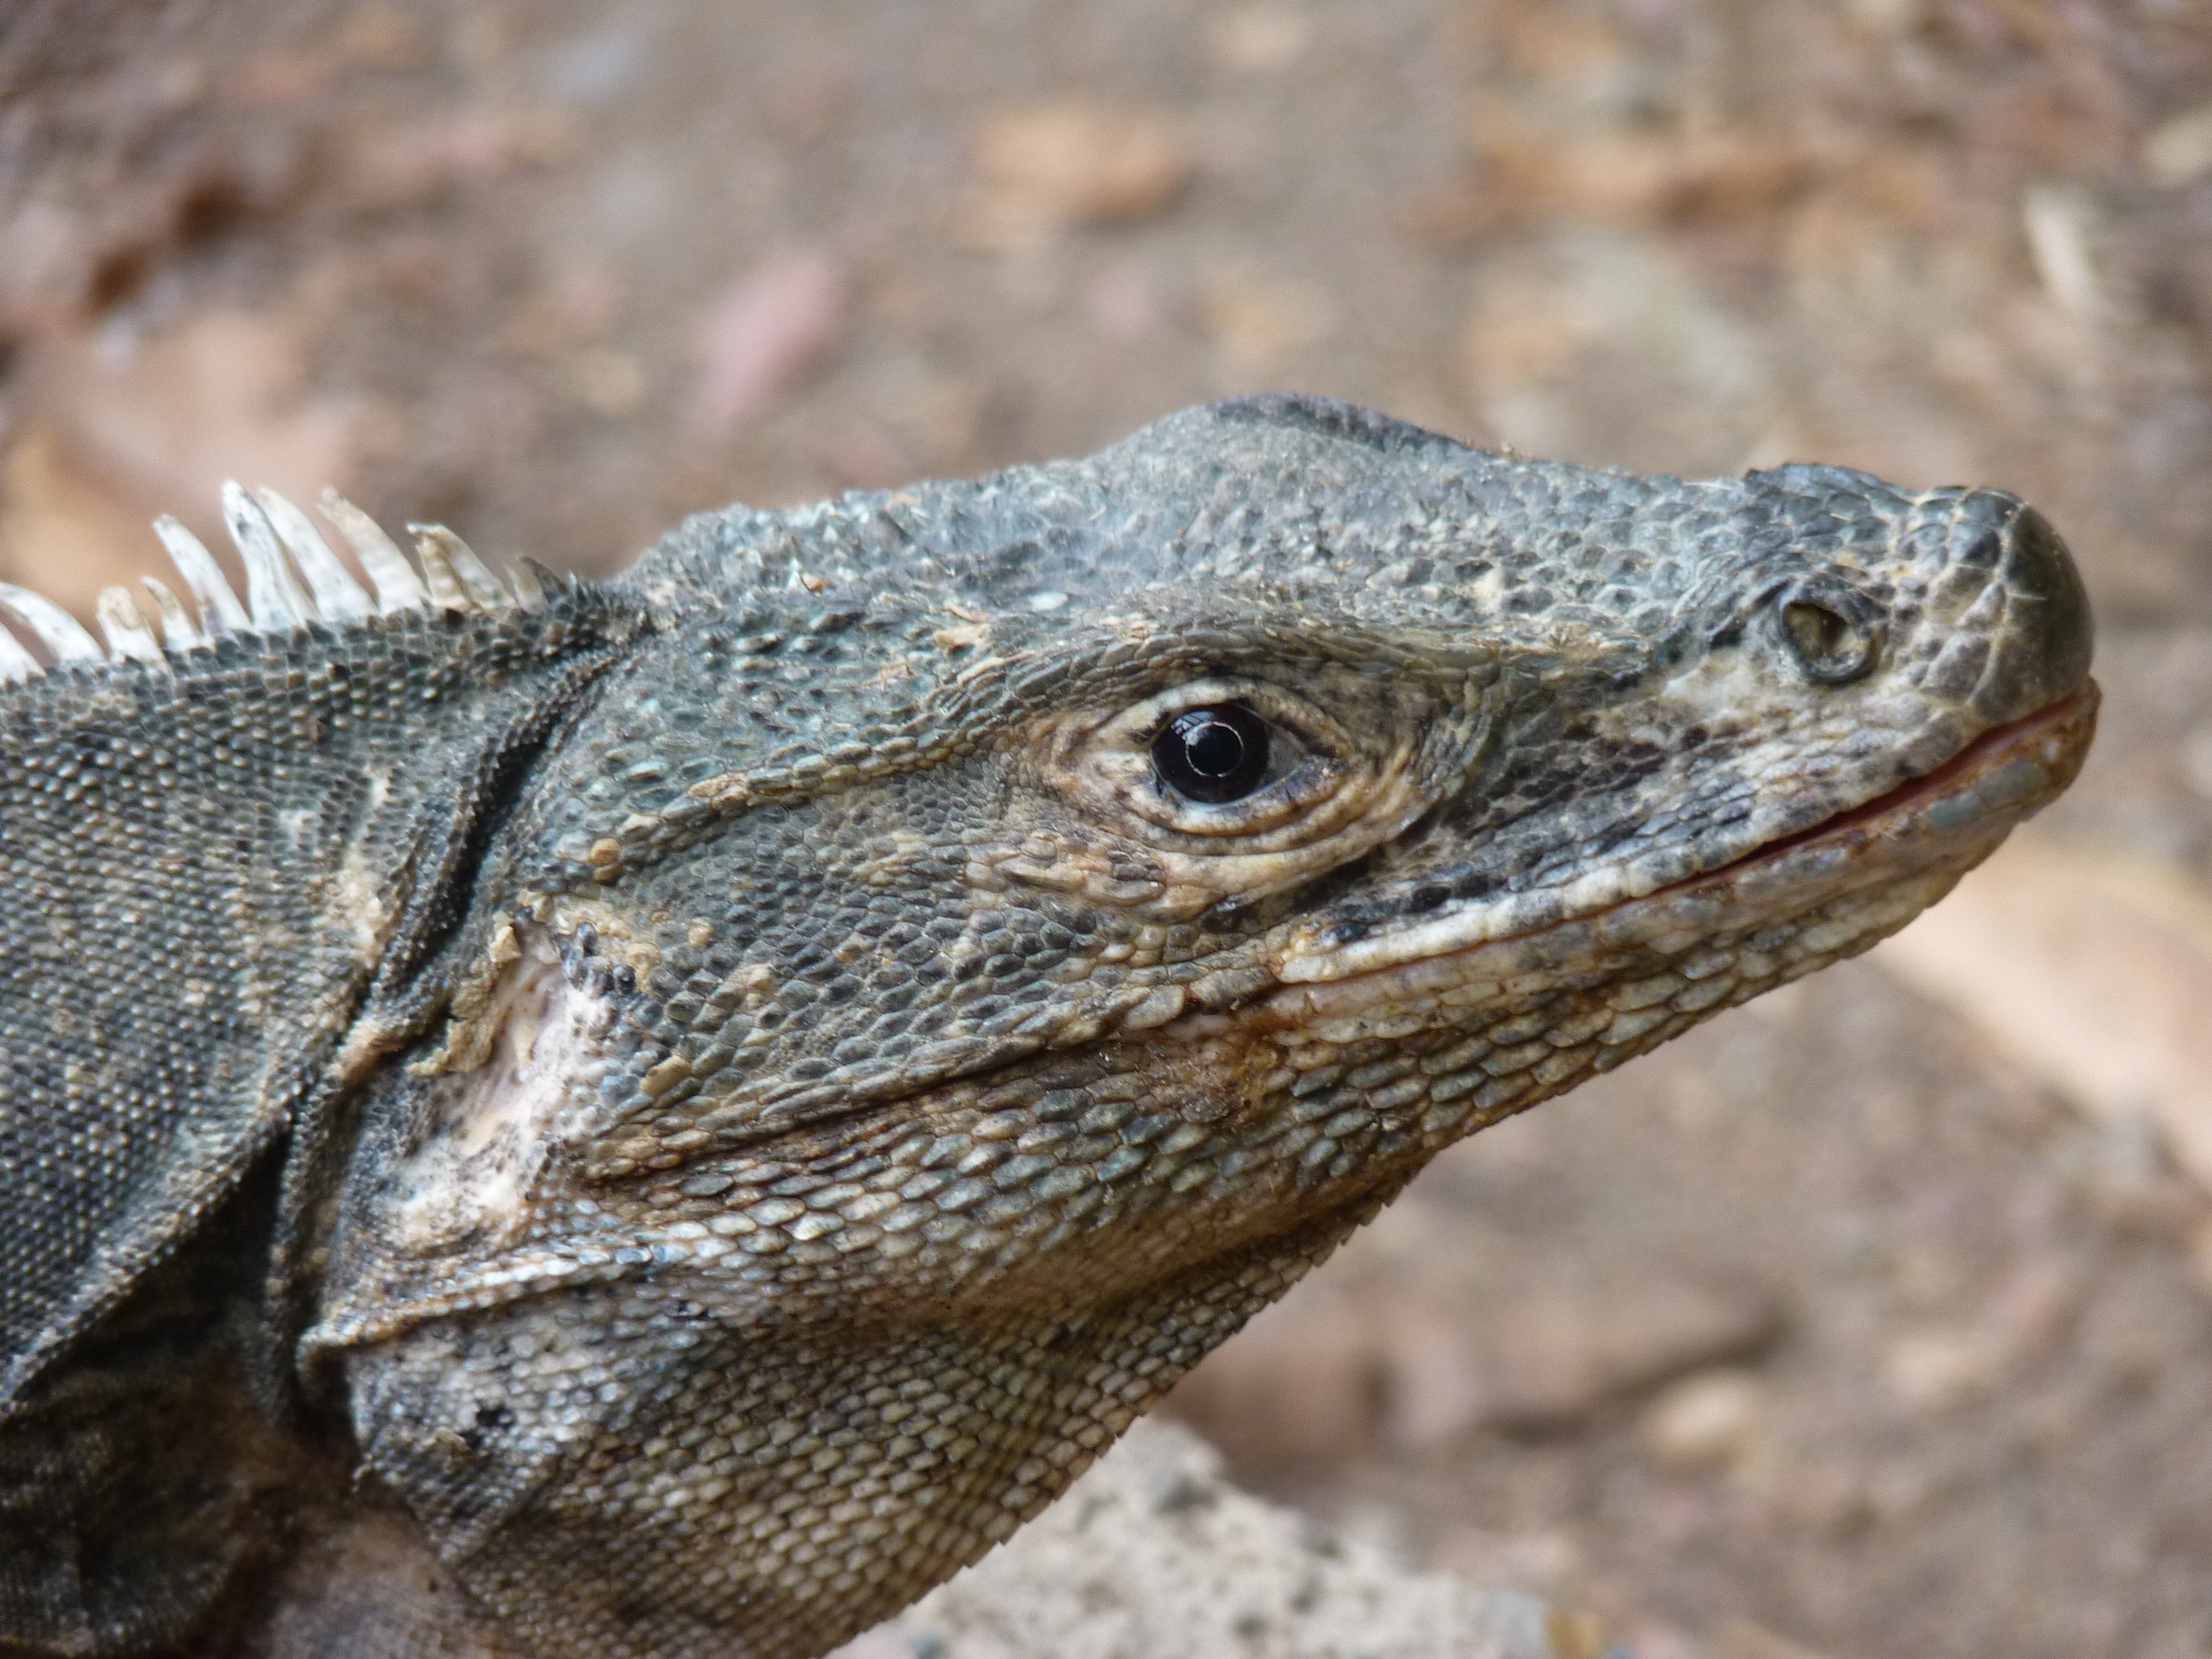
point(219, 610)
point(124, 625)
point(398, 588)
point(279, 543)
point(272, 598)
point(338, 597)
point(58, 631)
point(529, 588)
point(445, 591)
point(485, 590)
point(179, 630)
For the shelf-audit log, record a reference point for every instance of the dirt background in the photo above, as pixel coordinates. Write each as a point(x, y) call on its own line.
point(1873, 1320)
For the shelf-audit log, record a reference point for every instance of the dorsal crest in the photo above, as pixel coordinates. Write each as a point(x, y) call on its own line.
point(294, 578)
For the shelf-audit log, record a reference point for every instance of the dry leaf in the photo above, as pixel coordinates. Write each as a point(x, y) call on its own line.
point(116, 432)
point(767, 330)
point(1741, 1639)
point(1338, 1366)
point(1045, 167)
point(1257, 40)
point(1259, 322)
point(2178, 152)
point(1711, 1421)
point(2093, 968)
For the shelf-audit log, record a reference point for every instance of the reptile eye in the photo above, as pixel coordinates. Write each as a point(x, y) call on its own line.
point(1214, 754)
point(1233, 760)
point(1828, 646)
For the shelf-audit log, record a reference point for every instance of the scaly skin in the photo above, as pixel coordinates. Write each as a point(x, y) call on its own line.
point(700, 1106)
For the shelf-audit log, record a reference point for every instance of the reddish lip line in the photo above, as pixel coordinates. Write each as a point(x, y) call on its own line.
point(1997, 739)
point(1988, 752)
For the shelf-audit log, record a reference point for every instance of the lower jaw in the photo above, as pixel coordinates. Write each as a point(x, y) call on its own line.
point(1918, 839)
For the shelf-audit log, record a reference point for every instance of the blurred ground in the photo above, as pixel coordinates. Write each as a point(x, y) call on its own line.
point(1152, 1554)
point(1875, 1319)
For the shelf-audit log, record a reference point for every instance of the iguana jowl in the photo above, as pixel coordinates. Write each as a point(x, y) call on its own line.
point(661, 1117)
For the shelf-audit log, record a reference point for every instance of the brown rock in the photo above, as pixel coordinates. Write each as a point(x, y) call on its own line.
point(1548, 1364)
point(1153, 1552)
point(1347, 1362)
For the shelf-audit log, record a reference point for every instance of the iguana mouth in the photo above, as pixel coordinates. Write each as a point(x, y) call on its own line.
point(1942, 821)
point(2070, 723)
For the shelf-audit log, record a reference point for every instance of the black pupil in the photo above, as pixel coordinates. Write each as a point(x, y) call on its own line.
point(1214, 754)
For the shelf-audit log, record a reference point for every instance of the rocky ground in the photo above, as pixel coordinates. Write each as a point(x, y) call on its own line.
point(1873, 1320)
point(1152, 1554)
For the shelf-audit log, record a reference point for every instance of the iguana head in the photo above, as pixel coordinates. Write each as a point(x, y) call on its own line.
point(983, 942)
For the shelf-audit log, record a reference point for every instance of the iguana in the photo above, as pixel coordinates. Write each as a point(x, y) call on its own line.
point(662, 1116)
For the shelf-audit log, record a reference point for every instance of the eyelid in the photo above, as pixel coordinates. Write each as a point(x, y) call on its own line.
point(1124, 746)
point(1140, 724)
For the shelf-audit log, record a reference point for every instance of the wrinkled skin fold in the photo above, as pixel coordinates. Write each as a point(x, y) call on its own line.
point(845, 1080)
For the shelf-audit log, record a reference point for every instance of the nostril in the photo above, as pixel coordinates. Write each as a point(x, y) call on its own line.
point(1829, 645)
